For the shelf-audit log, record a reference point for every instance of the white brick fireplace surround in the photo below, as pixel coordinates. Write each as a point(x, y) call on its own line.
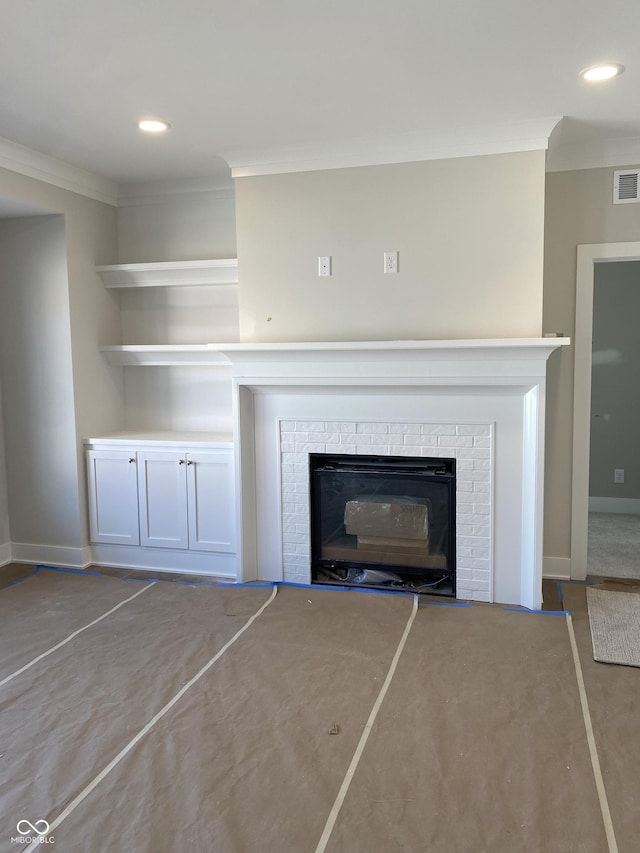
point(469, 444)
point(480, 402)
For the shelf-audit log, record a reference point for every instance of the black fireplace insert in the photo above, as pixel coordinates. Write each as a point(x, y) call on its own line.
point(386, 522)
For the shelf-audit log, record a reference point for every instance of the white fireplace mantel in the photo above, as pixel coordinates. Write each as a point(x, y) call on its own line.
point(454, 383)
point(472, 361)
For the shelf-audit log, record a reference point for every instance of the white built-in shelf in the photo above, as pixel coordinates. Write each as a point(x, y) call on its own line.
point(164, 355)
point(161, 438)
point(171, 274)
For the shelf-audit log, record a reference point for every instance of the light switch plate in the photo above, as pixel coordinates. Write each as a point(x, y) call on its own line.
point(324, 265)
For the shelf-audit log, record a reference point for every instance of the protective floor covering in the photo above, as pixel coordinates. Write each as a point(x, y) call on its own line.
point(614, 703)
point(614, 618)
point(167, 717)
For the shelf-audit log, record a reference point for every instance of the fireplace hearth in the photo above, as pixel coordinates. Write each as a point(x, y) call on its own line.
point(385, 522)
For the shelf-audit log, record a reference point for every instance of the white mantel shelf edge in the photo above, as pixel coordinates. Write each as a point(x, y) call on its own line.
point(238, 349)
point(299, 357)
point(403, 362)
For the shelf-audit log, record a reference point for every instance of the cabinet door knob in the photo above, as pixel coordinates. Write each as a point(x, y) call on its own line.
point(132, 459)
point(191, 462)
point(180, 461)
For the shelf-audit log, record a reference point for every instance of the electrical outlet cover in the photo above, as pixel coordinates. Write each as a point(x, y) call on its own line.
point(391, 262)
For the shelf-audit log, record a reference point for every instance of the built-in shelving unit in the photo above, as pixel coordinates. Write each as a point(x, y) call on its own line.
point(150, 315)
point(172, 314)
point(162, 488)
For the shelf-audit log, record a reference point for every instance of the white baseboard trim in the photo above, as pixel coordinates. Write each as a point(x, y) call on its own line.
point(50, 555)
point(628, 506)
point(556, 568)
point(165, 560)
point(5, 554)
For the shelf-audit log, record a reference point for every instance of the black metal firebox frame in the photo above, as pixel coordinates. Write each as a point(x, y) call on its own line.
point(433, 469)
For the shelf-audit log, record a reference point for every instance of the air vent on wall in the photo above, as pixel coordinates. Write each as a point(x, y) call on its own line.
point(626, 186)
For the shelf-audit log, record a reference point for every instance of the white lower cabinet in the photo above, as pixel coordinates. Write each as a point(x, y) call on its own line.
point(211, 508)
point(162, 496)
point(186, 500)
point(113, 497)
point(170, 499)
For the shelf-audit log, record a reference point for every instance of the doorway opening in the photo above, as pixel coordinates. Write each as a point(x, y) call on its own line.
point(614, 475)
point(589, 256)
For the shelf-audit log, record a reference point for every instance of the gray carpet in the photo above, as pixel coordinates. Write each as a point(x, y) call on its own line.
point(614, 618)
point(614, 545)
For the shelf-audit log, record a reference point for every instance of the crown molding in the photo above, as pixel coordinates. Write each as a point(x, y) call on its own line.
point(459, 142)
point(597, 154)
point(33, 164)
point(137, 194)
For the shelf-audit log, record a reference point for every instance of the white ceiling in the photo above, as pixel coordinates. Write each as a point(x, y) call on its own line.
point(250, 78)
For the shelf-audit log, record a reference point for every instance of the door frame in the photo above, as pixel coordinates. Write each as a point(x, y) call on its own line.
point(588, 255)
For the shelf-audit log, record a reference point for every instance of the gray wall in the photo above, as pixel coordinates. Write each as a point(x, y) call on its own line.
point(4, 499)
point(37, 382)
point(186, 226)
point(158, 224)
point(55, 386)
point(615, 381)
point(469, 232)
point(578, 209)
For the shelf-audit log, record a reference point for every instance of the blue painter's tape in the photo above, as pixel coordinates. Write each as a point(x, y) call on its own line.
point(20, 580)
point(582, 583)
point(559, 589)
point(137, 580)
point(16, 582)
point(40, 567)
point(197, 583)
point(248, 585)
point(448, 603)
point(71, 571)
point(539, 612)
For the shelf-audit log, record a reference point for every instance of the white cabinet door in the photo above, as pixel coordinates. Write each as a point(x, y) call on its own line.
point(113, 497)
point(162, 494)
point(211, 502)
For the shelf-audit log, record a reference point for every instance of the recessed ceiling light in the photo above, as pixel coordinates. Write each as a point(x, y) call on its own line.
point(602, 72)
point(153, 125)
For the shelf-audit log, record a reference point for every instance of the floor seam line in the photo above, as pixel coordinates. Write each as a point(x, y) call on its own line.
point(591, 741)
point(72, 636)
point(79, 798)
point(357, 755)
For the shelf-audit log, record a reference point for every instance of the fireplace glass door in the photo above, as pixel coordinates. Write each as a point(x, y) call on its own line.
point(383, 522)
